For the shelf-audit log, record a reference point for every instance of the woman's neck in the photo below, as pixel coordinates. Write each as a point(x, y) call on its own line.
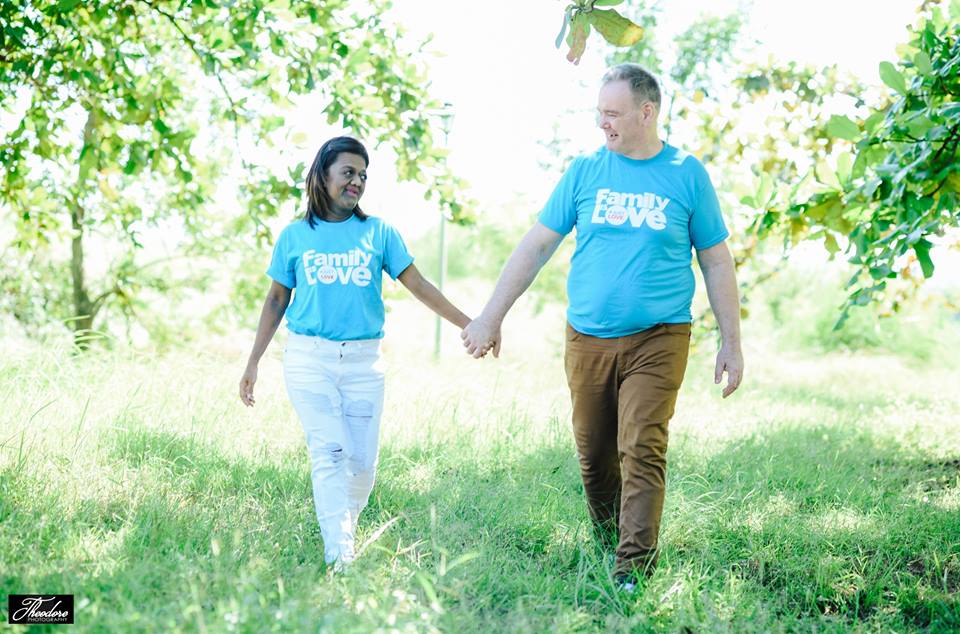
point(338, 215)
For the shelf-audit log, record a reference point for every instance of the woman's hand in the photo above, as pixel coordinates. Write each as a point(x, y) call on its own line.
point(246, 385)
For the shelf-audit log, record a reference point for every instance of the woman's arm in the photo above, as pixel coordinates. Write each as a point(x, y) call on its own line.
point(431, 297)
point(278, 297)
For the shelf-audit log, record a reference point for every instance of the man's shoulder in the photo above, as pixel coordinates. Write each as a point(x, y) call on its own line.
point(682, 157)
point(686, 160)
point(586, 162)
point(587, 159)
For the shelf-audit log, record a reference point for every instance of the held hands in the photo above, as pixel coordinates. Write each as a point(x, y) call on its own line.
point(246, 385)
point(480, 336)
point(729, 360)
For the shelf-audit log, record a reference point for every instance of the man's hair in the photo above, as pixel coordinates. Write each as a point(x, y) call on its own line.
point(643, 85)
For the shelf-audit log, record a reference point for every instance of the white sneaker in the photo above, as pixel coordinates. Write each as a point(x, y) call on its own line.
point(341, 565)
point(343, 561)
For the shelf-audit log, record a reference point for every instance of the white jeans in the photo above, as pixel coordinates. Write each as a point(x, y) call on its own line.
point(336, 388)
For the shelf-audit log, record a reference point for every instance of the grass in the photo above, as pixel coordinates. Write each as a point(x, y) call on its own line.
point(825, 496)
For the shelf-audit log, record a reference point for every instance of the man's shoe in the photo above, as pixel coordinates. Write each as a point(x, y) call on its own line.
point(625, 584)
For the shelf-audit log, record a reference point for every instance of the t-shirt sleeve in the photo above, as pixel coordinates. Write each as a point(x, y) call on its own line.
point(706, 221)
point(396, 258)
point(281, 268)
point(560, 212)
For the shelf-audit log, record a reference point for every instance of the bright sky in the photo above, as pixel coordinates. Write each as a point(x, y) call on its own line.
point(508, 84)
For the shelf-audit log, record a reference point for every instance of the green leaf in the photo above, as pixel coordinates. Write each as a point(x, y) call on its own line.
point(871, 122)
point(615, 28)
point(607, 3)
point(563, 27)
point(67, 5)
point(922, 249)
point(830, 243)
point(841, 127)
point(844, 167)
point(892, 77)
point(764, 191)
point(922, 61)
point(827, 176)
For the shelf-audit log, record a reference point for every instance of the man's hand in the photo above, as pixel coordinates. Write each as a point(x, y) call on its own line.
point(729, 360)
point(480, 336)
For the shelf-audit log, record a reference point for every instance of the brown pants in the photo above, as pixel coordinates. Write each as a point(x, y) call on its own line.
point(624, 391)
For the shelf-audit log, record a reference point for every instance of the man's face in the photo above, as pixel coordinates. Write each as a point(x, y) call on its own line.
point(623, 121)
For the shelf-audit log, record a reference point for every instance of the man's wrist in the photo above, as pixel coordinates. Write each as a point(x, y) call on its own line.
point(729, 340)
point(489, 317)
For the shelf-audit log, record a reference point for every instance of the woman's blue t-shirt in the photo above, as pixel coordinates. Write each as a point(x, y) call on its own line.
point(335, 269)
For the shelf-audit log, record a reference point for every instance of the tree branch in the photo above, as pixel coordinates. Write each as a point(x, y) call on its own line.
point(200, 56)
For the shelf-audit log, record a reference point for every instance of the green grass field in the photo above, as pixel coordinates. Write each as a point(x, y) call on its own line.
point(824, 496)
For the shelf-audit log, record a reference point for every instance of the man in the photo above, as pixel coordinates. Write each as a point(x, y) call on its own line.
point(639, 206)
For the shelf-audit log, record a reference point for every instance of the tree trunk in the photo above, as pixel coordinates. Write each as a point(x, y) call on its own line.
point(84, 310)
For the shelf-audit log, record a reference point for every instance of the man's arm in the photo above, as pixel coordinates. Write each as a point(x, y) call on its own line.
point(533, 251)
point(721, 281)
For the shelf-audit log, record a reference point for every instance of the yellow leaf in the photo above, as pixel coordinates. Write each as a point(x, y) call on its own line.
point(578, 40)
point(369, 103)
point(615, 28)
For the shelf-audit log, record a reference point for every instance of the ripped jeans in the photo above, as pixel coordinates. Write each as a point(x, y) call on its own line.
point(336, 388)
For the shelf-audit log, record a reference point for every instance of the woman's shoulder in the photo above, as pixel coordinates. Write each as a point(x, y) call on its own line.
point(378, 224)
point(295, 226)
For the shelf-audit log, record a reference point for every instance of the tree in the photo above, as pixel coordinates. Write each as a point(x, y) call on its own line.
point(116, 132)
point(894, 181)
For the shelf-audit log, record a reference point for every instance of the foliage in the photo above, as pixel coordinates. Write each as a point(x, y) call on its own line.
point(479, 252)
point(612, 26)
point(920, 332)
point(116, 133)
point(894, 183)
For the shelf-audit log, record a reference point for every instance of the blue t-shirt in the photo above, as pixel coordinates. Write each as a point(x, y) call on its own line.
point(335, 271)
point(636, 221)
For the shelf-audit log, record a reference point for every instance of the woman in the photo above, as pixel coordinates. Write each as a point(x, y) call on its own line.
point(334, 256)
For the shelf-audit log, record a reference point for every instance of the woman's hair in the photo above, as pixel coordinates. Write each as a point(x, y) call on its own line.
point(318, 201)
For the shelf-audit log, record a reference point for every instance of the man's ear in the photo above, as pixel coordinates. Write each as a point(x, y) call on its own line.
point(649, 110)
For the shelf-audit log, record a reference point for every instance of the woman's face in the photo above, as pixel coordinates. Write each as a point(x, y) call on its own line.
point(346, 178)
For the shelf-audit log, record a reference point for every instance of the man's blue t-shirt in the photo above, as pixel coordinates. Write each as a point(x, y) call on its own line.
point(335, 271)
point(636, 222)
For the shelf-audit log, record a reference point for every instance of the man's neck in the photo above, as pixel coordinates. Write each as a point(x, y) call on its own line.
point(648, 149)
